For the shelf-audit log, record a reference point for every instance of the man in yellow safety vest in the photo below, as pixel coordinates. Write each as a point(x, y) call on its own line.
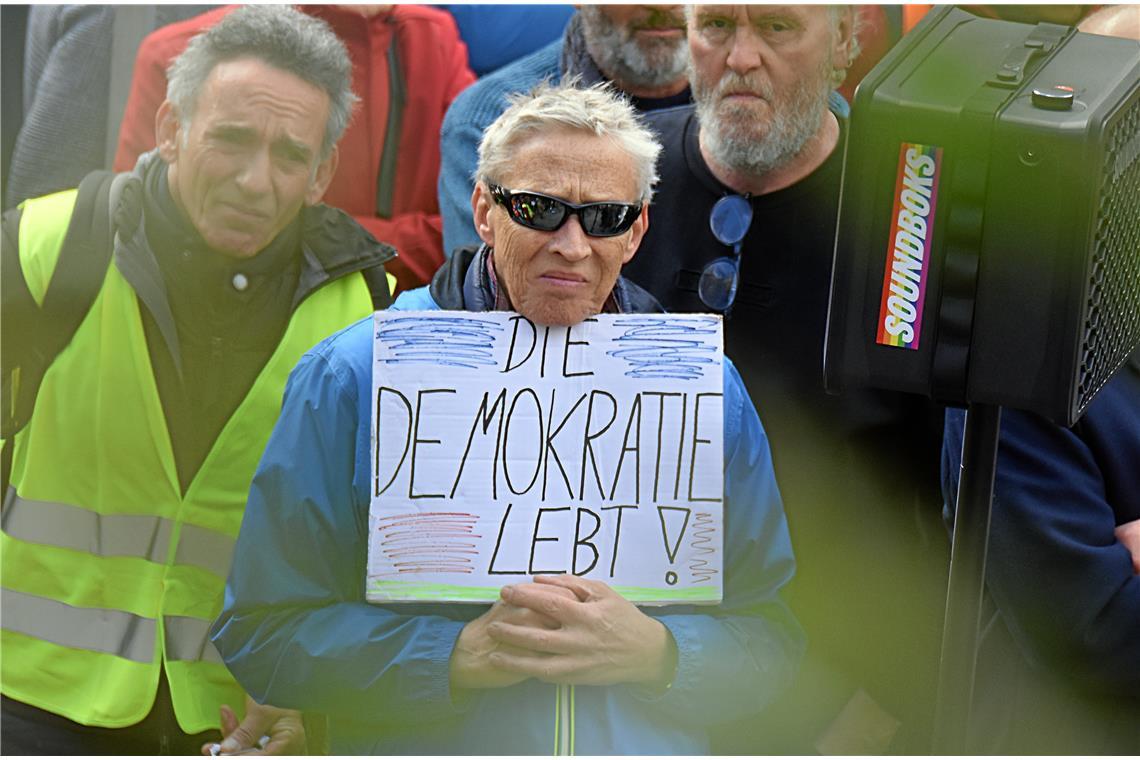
point(129, 476)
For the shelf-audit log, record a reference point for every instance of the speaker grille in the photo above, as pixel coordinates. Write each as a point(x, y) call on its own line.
point(1112, 321)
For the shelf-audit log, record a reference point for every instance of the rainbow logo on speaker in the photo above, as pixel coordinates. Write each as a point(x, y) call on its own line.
point(908, 248)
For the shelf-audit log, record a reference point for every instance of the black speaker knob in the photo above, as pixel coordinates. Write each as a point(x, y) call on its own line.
point(1059, 97)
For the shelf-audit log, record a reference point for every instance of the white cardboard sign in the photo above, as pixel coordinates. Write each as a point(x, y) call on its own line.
point(503, 450)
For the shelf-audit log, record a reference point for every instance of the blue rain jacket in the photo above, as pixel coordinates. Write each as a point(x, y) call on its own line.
point(297, 632)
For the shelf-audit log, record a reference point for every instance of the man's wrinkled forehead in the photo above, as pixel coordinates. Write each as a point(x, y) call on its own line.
point(756, 13)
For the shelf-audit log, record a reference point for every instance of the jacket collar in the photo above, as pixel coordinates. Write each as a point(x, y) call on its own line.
point(333, 245)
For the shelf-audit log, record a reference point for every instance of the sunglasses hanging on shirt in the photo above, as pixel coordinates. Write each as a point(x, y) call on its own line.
point(547, 214)
point(729, 220)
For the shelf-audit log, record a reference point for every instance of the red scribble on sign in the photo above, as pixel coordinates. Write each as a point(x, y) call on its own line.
point(429, 542)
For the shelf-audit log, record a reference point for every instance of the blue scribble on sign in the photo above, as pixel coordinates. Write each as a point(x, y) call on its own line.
point(666, 347)
point(441, 340)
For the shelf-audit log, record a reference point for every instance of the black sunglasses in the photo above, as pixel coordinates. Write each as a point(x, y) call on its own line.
point(544, 213)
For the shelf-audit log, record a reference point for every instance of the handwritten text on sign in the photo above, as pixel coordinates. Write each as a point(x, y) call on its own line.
point(502, 449)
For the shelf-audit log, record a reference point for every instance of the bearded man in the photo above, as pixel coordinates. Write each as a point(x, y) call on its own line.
point(640, 49)
point(219, 268)
point(744, 225)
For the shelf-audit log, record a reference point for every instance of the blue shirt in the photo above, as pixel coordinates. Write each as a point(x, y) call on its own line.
point(496, 35)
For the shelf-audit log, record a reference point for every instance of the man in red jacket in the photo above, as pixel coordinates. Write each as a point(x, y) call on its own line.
point(408, 65)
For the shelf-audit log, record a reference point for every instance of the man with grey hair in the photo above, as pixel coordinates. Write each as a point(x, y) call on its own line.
point(562, 662)
point(640, 49)
point(150, 320)
point(408, 64)
point(744, 225)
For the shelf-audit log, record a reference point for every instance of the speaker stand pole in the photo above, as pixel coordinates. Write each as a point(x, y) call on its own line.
point(967, 579)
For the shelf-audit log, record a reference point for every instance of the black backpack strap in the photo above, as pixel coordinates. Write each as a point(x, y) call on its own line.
point(20, 311)
point(79, 273)
point(75, 283)
point(377, 280)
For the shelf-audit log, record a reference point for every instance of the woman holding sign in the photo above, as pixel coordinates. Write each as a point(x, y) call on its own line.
point(638, 602)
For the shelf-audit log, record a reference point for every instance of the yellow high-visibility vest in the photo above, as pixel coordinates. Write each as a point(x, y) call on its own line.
point(109, 572)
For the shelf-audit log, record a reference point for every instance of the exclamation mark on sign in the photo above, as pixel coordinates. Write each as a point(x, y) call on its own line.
point(673, 523)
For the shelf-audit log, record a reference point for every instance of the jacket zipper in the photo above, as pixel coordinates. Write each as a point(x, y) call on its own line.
point(564, 720)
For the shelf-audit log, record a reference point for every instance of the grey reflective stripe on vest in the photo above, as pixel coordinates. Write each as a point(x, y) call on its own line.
point(205, 548)
point(68, 527)
point(188, 638)
point(98, 630)
point(143, 536)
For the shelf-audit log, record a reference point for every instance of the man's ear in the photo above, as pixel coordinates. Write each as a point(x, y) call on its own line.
point(325, 171)
point(166, 128)
point(841, 57)
point(481, 205)
point(637, 232)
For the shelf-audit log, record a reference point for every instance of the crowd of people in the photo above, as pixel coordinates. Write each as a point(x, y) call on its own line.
point(187, 376)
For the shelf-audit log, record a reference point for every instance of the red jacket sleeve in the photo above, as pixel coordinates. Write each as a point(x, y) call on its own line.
point(434, 62)
point(417, 238)
point(148, 90)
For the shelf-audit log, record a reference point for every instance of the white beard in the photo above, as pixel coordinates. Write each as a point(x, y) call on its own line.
point(618, 55)
point(737, 138)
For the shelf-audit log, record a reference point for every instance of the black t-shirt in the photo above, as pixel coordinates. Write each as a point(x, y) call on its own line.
point(776, 330)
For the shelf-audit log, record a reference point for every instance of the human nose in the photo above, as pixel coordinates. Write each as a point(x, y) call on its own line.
point(570, 241)
point(255, 177)
point(746, 52)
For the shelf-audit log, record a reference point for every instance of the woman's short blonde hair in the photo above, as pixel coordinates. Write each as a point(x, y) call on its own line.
point(598, 109)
